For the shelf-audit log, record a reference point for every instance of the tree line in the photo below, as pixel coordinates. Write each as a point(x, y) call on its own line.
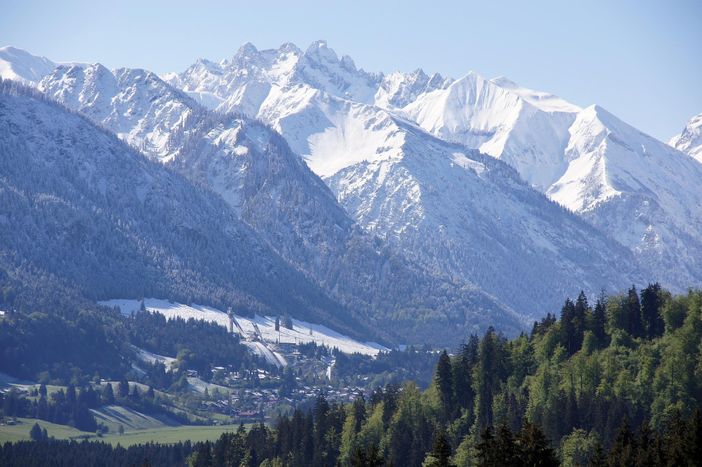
point(617, 383)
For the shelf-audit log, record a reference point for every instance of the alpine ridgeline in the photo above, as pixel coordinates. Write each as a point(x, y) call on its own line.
point(402, 217)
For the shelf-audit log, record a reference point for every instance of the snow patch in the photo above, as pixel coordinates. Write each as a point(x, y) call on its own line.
point(259, 329)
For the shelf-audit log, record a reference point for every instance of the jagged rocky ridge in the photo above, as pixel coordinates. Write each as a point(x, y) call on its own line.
point(78, 204)
point(273, 190)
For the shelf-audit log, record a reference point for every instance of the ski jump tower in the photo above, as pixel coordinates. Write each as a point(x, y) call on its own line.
point(233, 323)
point(230, 313)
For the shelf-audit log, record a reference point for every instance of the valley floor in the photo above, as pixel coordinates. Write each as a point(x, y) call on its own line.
point(19, 431)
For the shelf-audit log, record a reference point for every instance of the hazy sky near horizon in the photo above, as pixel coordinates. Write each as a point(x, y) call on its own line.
point(641, 60)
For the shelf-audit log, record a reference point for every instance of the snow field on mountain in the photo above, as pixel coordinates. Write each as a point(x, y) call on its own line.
point(302, 332)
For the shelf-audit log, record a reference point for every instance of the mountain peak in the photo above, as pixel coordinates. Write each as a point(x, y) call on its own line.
point(319, 49)
point(247, 50)
point(504, 82)
point(689, 140)
point(288, 47)
point(19, 65)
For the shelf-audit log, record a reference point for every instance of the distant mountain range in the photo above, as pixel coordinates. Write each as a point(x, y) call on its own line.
point(405, 207)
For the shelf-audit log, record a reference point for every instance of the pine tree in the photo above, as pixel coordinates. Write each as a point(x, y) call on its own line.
point(440, 455)
point(108, 396)
point(35, 433)
point(507, 450)
point(580, 310)
point(444, 384)
point(534, 448)
point(633, 311)
point(648, 453)
point(599, 321)
point(123, 388)
point(623, 450)
point(568, 331)
point(598, 458)
point(651, 302)
point(487, 455)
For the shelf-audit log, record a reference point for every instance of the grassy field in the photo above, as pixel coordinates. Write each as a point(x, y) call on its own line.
point(20, 431)
point(164, 434)
point(169, 435)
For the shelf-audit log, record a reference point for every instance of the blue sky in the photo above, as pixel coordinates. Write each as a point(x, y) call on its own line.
point(642, 60)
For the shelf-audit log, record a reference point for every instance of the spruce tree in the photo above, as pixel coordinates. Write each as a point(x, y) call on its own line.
point(648, 453)
point(677, 440)
point(441, 450)
point(534, 448)
point(486, 378)
point(35, 433)
point(123, 388)
point(599, 321)
point(651, 302)
point(108, 396)
point(633, 311)
point(487, 454)
point(598, 459)
point(568, 332)
point(580, 310)
point(507, 450)
point(444, 384)
point(623, 450)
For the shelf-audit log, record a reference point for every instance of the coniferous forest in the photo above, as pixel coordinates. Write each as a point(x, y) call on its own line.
point(617, 382)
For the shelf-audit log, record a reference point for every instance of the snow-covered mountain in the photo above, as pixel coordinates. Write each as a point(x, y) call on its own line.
point(391, 175)
point(585, 159)
point(135, 104)
point(272, 189)
point(524, 128)
point(395, 151)
point(19, 65)
point(640, 190)
point(465, 213)
point(632, 186)
point(689, 140)
point(79, 206)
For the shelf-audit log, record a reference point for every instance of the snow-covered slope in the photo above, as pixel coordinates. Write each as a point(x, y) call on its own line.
point(690, 140)
point(646, 194)
point(243, 82)
point(467, 214)
point(19, 65)
point(79, 205)
point(393, 149)
point(398, 89)
point(524, 128)
point(257, 328)
point(273, 190)
point(394, 178)
point(135, 104)
point(630, 185)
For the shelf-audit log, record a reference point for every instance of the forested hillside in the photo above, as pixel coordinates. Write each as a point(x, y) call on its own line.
point(82, 215)
point(617, 383)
